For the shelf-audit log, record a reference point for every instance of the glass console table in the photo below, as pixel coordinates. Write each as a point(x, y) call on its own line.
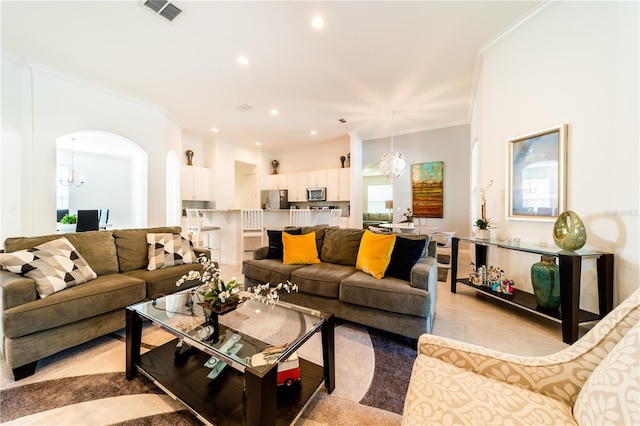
point(570, 263)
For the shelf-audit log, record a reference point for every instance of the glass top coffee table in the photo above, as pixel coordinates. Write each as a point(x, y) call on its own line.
point(217, 380)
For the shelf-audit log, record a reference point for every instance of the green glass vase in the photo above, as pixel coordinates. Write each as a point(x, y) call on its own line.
point(545, 278)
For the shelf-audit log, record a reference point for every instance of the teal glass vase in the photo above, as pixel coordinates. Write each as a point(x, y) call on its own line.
point(545, 278)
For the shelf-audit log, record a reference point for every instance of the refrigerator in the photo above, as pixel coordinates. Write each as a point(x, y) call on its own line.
point(274, 199)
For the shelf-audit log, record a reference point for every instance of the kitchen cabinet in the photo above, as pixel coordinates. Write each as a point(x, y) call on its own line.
point(303, 184)
point(277, 181)
point(333, 190)
point(344, 184)
point(317, 179)
point(339, 184)
point(195, 183)
point(292, 187)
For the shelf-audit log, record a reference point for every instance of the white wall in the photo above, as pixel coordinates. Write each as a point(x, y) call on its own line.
point(318, 157)
point(108, 185)
point(224, 156)
point(450, 145)
point(46, 105)
point(577, 63)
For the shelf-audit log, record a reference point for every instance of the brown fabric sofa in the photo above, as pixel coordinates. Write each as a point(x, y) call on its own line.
point(403, 307)
point(34, 327)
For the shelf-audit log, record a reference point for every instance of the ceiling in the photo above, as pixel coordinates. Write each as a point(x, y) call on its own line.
point(418, 59)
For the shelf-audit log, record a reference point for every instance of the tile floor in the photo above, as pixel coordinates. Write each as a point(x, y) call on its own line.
point(473, 318)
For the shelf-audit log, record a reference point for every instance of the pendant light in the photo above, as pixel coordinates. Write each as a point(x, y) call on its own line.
point(392, 163)
point(71, 179)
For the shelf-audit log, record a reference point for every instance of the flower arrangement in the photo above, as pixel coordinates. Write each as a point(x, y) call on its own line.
point(213, 290)
point(409, 216)
point(484, 222)
point(217, 295)
point(269, 295)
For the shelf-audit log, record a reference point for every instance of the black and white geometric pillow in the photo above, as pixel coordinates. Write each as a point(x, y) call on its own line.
point(54, 266)
point(168, 249)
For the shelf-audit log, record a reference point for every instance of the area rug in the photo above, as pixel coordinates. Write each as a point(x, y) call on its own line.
point(85, 385)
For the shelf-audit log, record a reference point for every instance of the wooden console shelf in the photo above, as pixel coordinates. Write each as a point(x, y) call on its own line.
point(570, 315)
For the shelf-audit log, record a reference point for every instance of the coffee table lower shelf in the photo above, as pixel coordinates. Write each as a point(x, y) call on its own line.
point(221, 401)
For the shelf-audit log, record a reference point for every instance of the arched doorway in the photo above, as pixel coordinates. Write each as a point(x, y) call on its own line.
point(115, 171)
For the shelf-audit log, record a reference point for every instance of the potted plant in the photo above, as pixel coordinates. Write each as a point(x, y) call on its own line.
point(408, 217)
point(69, 219)
point(484, 223)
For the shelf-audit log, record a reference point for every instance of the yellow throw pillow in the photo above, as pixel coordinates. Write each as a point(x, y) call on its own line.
point(374, 253)
point(299, 249)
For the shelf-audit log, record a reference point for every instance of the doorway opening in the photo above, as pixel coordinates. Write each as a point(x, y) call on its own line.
point(115, 171)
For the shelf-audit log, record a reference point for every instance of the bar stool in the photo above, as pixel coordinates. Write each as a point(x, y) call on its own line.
point(252, 228)
point(299, 217)
point(334, 217)
point(195, 229)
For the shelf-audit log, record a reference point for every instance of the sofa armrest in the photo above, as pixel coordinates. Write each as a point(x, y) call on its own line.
point(260, 253)
point(16, 290)
point(561, 375)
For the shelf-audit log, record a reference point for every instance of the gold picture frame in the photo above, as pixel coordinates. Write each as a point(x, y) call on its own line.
point(537, 175)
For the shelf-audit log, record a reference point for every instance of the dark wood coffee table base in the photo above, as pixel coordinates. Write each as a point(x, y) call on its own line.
point(221, 401)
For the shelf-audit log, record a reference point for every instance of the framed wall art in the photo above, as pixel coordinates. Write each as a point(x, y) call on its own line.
point(427, 184)
point(537, 175)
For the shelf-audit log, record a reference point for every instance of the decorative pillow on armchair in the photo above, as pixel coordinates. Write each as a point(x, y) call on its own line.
point(54, 266)
point(167, 249)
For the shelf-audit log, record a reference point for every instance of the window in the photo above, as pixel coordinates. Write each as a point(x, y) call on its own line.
point(474, 183)
point(376, 196)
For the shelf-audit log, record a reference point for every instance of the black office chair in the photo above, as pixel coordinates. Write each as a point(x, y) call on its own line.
point(87, 221)
point(61, 213)
point(103, 218)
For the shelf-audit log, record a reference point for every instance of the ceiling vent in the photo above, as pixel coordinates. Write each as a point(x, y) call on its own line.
point(163, 8)
point(244, 107)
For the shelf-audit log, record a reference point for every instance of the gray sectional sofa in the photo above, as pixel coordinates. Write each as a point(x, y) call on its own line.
point(402, 306)
point(35, 327)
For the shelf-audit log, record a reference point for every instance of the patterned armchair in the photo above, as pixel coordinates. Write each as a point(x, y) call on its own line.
point(594, 381)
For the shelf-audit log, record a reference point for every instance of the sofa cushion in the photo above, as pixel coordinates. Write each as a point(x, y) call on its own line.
point(54, 266)
point(165, 250)
point(405, 254)
point(441, 393)
point(610, 394)
point(97, 247)
point(268, 270)
point(275, 242)
point(387, 294)
point(104, 294)
point(340, 246)
point(374, 253)
point(319, 230)
point(163, 281)
point(299, 249)
point(322, 279)
point(131, 245)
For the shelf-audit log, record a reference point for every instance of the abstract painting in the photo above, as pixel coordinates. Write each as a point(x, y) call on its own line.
point(427, 181)
point(537, 188)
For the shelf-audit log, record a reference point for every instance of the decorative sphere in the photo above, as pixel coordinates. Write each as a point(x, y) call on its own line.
point(569, 232)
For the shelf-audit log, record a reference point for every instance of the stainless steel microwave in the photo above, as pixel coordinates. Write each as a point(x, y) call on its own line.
point(317, 194)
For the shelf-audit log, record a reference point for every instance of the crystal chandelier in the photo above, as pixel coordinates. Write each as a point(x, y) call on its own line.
point(392, 163)
point(71, 179)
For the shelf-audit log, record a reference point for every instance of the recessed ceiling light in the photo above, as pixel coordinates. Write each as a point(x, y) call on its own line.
point(274, 112)
point(258, 144)
point(243, 60)
point(214, 130)
point(313, 133)
point(317, 22)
